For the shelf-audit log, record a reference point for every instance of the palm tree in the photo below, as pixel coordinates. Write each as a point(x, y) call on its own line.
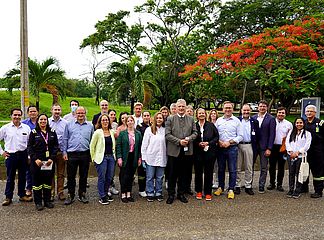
point(46, 75)
point(135, 77)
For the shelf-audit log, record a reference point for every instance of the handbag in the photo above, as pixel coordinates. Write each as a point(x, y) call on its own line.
point(303, 170)
point(283, 146)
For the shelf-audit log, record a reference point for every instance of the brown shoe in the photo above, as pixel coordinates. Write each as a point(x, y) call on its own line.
point(26, 199)
point(61, 196)
point(7, 202)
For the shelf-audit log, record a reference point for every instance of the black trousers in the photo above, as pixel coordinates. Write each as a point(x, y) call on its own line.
point(204, 166)
point(77, 160)
point(141, 174)
point(177, 173)
point(294, 167)
point(188, 174)
point(42, 185)
point(275, 158)
point(316, 165)
point(126, 174)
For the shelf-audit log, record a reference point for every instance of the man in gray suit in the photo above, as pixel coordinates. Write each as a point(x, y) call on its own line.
point(180, 131)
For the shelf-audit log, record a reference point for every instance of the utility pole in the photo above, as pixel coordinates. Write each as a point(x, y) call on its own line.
point(24, 83)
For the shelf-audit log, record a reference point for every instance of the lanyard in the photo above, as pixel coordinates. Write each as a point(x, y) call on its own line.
point(45, 139)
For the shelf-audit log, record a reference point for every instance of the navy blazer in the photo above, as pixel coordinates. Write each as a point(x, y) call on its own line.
point(267, 132)
point(254, 137)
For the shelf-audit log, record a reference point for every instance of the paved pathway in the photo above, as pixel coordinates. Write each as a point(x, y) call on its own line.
point(262, 216)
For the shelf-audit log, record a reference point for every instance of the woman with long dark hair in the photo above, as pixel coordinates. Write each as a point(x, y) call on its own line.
point(121, 123)
point(297, 144)
point(154, 155)
point(42, 149)
point(102, 150)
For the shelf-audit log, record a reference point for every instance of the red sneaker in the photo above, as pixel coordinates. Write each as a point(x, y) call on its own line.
point(199, 196)
point(208, 197)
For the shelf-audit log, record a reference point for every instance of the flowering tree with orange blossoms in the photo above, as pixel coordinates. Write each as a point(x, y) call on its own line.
point(286, 62)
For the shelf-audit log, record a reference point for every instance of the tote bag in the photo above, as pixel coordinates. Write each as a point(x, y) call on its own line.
point(303, 170)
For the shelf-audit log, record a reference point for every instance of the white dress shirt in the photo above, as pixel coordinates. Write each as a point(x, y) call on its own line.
point(301, 144)
point(154, 147)
point(282, 129)
point(260, 119)
point(15, 138)
point(229, 129)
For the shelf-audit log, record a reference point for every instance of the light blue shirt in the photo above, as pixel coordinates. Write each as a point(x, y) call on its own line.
point(246, 124)
point(229, 129)
point(76, 137)
point(59, 127)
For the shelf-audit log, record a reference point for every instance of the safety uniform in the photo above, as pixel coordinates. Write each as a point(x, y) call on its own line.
point(315, 154)
point(42, 146)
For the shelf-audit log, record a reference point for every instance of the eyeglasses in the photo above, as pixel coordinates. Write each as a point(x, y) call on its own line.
point(104, 120)
point(16, 115)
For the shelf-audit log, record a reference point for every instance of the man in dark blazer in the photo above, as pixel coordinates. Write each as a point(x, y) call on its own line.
point(267, 126)
point(180, 131)
point(103, 109)
point(247, 150)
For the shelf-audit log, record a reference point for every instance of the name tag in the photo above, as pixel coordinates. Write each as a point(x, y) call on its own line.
point(47, 154)
point(253, 133)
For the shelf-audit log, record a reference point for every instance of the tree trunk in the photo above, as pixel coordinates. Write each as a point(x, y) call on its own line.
point(97, 95)
point(132, 105)
point(37, 101)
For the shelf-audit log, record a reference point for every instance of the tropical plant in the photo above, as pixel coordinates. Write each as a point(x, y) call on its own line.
point(135, 78)
point(46, 76)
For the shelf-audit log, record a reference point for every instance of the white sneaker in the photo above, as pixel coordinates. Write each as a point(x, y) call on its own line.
point(215, 186)
point(142, 194)
point(113, 191)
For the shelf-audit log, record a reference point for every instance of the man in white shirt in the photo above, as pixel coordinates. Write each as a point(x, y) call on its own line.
point(282, 128)
point(15, 135)
point(230, 135)
point(72, 116)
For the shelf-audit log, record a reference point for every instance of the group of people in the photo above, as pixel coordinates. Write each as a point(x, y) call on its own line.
point(169, 144)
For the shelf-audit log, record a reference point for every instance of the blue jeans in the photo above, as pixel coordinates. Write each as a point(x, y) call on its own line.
point(228, 155)
point(157, 173)
point(105, 171)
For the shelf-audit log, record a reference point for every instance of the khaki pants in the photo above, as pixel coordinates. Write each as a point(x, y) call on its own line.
point(245, 153)
point(60, 169)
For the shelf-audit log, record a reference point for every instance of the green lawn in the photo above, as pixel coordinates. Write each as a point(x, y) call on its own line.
point(8, 102)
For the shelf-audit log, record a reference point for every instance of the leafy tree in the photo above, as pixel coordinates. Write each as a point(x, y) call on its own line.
point(114, 35)
point(286, 62)
point(169, 34)
point(46, 75)
point(243, 18)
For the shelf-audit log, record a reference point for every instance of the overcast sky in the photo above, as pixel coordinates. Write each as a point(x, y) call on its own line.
point(55, 28)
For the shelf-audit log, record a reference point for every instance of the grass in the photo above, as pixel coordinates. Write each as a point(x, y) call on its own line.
point(8, 102)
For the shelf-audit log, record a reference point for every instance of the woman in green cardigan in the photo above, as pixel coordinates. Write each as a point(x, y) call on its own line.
point(129, 157)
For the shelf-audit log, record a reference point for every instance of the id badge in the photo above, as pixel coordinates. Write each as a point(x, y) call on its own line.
point(317, 129)
point(47, 154)
point(253, 133)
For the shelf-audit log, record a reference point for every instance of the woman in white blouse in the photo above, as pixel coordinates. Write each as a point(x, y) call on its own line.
point(297, 144)
point(154, 155)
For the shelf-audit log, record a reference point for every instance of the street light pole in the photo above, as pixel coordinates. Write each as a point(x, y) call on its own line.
point(24, 83)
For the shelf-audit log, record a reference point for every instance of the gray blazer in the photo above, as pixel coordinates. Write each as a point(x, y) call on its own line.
point(177, 128)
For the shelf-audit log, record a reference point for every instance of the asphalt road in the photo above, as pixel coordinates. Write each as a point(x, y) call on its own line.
point(262, 216)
